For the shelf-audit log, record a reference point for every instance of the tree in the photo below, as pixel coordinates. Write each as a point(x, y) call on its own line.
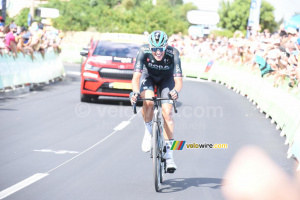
point(234, 16)
point(21, 19)
point(267, 19)
point(176, 2)
point(131, 16)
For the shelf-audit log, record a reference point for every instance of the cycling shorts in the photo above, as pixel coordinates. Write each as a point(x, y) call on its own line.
point(165, 85)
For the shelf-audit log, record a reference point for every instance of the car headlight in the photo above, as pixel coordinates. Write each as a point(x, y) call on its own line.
point(90, 67)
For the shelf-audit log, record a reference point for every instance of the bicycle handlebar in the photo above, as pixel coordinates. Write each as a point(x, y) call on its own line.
point(155, 99)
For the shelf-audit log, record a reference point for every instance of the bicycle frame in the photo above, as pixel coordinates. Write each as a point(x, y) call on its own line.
point(157, 149)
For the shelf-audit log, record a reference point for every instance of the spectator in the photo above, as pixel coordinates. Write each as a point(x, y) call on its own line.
point(282, 31)
point(39, 38)
point(36, 39)
point(2, 44)
point(21, 46)
point(278, 49)
point(1, 24)
point(10, 40)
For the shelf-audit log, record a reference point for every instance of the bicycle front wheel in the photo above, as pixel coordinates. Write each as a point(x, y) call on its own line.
point(156, 156)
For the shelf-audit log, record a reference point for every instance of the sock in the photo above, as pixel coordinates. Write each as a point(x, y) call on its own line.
point(169, 153)
point(148, 127)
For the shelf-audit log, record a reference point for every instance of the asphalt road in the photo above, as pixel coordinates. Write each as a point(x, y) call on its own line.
point(53, 147)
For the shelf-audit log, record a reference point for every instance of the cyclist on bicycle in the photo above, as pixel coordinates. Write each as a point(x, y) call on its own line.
point(158, 64)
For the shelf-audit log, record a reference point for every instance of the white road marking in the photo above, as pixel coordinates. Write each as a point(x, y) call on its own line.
point(93, 146)
point(83, 152)
point(57, 152)
point(21, 185)
point(122, 125)
point(38, 176)
point(74, 73)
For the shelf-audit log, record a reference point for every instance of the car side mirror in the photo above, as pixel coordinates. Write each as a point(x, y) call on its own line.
point(84, 53)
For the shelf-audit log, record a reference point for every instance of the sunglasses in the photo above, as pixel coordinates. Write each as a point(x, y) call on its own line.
point(161, 49)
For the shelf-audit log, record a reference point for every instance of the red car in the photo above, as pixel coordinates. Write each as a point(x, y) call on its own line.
point(108, 69)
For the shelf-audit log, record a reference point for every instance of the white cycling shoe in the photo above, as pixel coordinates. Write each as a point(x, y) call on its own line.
point(170, 165)
point(146, 145)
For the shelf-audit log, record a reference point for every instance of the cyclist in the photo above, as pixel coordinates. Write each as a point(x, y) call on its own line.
point(158, 64)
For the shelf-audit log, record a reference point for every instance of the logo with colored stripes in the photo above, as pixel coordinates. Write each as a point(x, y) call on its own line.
point(178, 145)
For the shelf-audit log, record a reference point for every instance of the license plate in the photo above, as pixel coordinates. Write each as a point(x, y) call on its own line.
point(126, 86)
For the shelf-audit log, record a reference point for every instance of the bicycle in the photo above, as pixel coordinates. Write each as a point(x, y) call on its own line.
point(157, 149)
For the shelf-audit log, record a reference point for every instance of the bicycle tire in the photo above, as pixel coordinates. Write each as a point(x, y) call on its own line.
point(162, 163)
point(161, 178)
point(156, 158)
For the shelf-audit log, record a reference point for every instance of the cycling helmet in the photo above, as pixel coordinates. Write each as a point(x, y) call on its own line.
point(158, 39)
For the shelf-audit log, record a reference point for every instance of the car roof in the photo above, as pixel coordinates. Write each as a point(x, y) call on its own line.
point(124, 38)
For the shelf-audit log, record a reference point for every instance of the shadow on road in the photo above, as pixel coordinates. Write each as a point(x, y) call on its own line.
point(112, 102)
point(7, 109)
point(124, 103)
point(179, 184)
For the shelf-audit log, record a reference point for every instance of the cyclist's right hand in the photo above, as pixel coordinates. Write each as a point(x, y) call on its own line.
point(133, 97)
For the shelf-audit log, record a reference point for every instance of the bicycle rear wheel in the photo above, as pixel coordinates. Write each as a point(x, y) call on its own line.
point(156, 156)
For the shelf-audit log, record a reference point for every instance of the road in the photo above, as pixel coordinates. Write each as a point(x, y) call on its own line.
point(54, 147)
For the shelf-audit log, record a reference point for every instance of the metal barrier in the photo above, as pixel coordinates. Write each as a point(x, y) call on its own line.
point(281, 103)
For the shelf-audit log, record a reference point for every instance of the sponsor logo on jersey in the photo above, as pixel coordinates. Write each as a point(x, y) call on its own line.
point(159, 67)
point(169, 51)
point(166, 61)
point(177, 69)
point(169, 54)
point(138, 65)
point(144, 81)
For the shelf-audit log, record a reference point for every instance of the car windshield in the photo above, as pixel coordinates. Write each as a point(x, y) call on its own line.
point(117, 49)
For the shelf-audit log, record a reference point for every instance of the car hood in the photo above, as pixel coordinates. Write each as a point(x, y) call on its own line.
point(111, 62)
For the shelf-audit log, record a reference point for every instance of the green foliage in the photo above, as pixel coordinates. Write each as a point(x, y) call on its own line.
point(21, 19)
point(128, 4)
point(222, 33)
point(234, 15)
point(267, 19)
point(131, 16)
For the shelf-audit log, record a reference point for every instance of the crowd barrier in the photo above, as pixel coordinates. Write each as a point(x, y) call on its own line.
point(23, 70)
point(281, 102)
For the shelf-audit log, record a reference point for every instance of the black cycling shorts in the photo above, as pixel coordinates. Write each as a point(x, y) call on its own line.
point(165, 85)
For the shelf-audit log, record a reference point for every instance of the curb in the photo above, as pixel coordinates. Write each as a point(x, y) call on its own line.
point(15, 92)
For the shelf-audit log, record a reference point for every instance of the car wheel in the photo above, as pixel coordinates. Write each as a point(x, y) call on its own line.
point(85, 98)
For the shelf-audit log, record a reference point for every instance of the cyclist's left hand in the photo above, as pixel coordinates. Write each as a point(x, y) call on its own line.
point(174, 94)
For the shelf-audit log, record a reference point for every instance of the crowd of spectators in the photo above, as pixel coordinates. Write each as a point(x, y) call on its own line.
point(280, 50)
point(37, 38)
